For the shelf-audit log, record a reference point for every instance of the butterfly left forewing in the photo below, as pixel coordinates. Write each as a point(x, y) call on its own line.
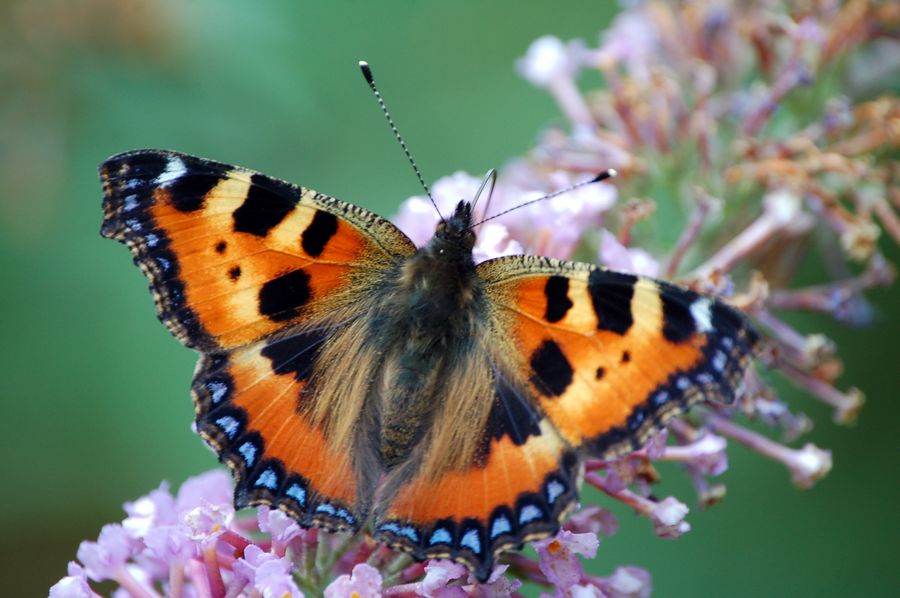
point(610, 357)
point(233, 255)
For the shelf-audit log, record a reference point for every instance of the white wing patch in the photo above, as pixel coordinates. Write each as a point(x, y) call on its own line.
point(174, 170)
point(700, 310)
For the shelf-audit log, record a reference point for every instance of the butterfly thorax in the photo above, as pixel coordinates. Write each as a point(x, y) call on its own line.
point(433, 318)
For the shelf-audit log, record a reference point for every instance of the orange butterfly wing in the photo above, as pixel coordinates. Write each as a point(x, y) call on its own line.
point(257, 274)
point(610, 357)
point(519, 487)
point(233, 255)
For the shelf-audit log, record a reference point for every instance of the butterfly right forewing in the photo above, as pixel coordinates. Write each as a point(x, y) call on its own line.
point(610, 357)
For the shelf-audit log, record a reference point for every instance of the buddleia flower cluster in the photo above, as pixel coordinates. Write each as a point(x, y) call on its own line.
point(736, 145)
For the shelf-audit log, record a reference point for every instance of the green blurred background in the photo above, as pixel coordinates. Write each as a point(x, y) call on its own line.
point(94, 390)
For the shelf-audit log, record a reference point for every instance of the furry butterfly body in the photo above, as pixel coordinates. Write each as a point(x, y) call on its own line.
point(348, 377)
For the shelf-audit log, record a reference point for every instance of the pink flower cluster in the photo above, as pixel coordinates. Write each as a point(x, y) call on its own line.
point(553, 228)
point(190, 544)
point(193, 544)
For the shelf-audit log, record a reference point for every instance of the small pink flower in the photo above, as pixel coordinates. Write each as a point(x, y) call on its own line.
point(169, 544)
point(147, 512)
point(274, 580)
point(282, 528)
point(73, 585)
point(626, 582)
point(104, 558)
point(546, 60)
point(632, 40)
point(593, 519)
point(668, 518)
point(494, 241)
point(808, 465)
point(364, 582)
point(266, 573)
point(707, 454)
point(558, 557)
point(214, 487)
point(438, 574)
point(208, 521)
point(616, 256)
point(497, 585)
point(584, 591)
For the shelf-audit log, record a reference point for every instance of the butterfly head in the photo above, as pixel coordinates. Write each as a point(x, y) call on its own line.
point(456, 231)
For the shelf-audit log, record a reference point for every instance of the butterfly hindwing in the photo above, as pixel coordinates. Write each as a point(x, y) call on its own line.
point(253, 407)
point(518, 487)
point(262, 277)
point(609, 357)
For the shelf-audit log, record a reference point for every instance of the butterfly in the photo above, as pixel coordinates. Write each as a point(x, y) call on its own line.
point(350, 378)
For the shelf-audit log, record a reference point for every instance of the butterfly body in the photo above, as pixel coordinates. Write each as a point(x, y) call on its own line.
point(347, 376)
point(435, 315)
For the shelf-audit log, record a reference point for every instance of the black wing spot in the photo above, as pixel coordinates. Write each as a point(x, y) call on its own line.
point(267, 203)
point(558, 303)
point(234, 273)
point(600, 373)
point(611, 294)
point(188, 192)
point(511, 415)
point(294, 355)
point(552, 371)
point(678, 322)
point(220, 247)
point(626, 356)
point(281, 298)
point(324, 225)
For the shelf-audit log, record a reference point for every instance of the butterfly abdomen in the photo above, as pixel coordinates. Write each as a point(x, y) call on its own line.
point(434, 315)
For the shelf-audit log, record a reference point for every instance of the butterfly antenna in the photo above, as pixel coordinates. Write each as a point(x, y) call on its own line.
point(490, 177)
point(606, 174)
point(370, 79)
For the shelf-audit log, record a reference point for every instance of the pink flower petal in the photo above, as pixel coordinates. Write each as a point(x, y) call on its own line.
point(103, 559)
point(546, 59)
point(364, 582)
point(616, 256)
point(438, 574)
point(73, 585)
point(494, 241)
point(214, 487)
point(169, 544)
point(668, 518)
point(627, 582)
point(282, 528)
point(559, 560)
point(147, 512)
point(593, 519)
point(497, 585)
